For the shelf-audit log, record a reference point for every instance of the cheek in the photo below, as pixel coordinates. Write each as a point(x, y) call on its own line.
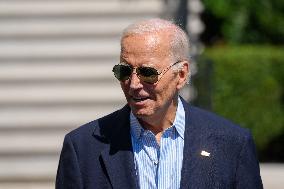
point(167, 92)
point(124, 88)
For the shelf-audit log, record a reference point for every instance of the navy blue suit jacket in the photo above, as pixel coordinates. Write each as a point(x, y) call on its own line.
point(99, 154)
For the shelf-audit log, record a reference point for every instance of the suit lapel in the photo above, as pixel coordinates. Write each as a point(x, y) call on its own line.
point(120, 169)
point(118, 156)
point(197, 170)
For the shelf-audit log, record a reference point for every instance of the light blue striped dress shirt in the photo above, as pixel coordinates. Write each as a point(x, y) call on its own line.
point(159, 166)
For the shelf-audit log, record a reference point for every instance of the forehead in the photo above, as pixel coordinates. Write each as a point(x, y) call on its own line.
point(145, 47)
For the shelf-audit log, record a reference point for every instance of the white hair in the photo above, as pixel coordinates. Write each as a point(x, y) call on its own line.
point(179, 43)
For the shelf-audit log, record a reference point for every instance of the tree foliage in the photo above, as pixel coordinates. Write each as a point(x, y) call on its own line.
point(244, 21)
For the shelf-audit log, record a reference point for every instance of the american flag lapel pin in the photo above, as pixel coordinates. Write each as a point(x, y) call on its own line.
point(204, 153)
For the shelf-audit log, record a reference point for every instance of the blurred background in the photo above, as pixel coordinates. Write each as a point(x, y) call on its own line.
point(56, 58)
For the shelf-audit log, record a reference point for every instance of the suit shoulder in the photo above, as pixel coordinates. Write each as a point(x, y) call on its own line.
point(97, 125)
point(216, 123)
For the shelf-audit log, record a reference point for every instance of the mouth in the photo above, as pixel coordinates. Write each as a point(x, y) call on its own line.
point(140, 99)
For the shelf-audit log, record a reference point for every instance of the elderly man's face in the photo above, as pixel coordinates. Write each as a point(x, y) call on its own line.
point(147, 100)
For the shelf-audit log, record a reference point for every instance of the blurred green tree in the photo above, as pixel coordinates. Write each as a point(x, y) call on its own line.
point(243, 21)
point(245, 82)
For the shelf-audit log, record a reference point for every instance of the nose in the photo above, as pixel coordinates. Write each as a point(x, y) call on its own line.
point(134, 81)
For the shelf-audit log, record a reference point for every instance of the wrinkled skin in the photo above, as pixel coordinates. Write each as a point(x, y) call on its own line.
point(153, 104)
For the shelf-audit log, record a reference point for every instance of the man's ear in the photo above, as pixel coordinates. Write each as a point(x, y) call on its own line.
point(183, 74)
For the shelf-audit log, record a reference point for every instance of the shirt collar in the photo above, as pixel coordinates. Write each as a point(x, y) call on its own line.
point(179, 122)
point(136, 128)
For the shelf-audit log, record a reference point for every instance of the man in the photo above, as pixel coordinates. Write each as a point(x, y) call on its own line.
point(157, 140)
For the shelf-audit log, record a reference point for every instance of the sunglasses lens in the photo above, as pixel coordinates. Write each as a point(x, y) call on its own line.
point(122, 72)
point(148, 74)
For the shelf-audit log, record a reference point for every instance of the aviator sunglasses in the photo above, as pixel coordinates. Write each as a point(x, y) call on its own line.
point(146, 74)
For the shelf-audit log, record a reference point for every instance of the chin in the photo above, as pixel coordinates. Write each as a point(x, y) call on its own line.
point(141, 113)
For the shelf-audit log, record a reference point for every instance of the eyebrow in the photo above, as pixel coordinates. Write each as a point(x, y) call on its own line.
point(148, 65)
point(143, 65)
